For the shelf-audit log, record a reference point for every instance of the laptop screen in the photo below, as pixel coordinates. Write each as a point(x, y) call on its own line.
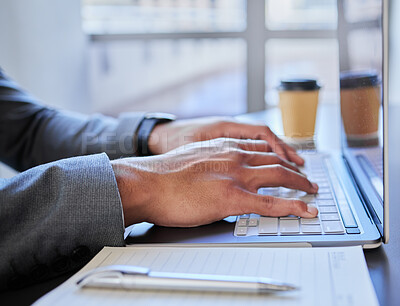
point(363, 102)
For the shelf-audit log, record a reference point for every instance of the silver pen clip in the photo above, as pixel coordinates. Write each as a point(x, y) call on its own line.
point(114, 271)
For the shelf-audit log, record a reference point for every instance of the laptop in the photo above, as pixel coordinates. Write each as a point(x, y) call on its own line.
point(353, 183)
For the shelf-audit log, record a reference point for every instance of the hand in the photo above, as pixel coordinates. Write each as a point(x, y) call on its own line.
point(168, 136)
point(207, 181)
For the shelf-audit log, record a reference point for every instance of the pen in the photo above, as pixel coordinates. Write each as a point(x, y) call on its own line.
point(140, 278)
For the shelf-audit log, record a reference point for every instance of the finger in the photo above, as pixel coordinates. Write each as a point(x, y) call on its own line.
point(249, 131)
point(280, 147)
point(276, 207)
point(259, 153)
point(254, 145)
point(256, 132)
point(262, 158)
point(293, 154)
point(277, 176)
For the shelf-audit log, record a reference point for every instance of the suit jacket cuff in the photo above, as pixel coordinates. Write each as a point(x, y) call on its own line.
point(57, 216)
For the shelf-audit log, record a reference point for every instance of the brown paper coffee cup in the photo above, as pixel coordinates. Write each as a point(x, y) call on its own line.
point(298, 101)
point(360, 100)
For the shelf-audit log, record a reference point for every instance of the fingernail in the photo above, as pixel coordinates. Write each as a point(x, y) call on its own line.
point(312, 209)
point(315, 186)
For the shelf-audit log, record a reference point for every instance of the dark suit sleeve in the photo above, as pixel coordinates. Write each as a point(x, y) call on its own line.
point(55, 217)
point(32, 134)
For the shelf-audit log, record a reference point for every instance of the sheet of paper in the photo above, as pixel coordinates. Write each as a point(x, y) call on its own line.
point(326, 276)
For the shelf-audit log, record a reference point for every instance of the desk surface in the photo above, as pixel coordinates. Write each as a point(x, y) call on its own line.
point(383, 263)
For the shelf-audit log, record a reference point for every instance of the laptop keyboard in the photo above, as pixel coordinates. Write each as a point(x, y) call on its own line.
point(335, 215)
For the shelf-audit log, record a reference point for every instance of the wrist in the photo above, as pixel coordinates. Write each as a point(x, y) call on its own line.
point(158, 138)
point(133, 187)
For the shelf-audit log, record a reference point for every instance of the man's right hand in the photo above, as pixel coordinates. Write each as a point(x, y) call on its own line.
point(207, 181)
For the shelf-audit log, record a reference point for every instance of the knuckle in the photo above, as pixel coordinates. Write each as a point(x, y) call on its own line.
point(236, 154)
point(230, 164)
point(234, 167)
point(227, 184)
point(267, 129)
point(297, 205)
point(268, 202)
point(230, 144)
point(224, 144)
point(237, 171)
point(249, 179)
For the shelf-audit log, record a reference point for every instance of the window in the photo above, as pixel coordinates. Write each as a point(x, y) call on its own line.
point(371, 10)
point(202, 57)
point(187, 77)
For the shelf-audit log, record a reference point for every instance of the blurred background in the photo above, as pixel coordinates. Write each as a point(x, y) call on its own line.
point(188, 57)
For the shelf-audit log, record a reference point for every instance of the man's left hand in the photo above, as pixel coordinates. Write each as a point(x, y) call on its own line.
point(168, 136)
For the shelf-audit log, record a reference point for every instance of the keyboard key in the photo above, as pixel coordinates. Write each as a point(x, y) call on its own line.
point(241, 231)
point(324, 196)
point(330, 217)
point(311, 229)
point(347, 215)
point(327, 209)
point(353, 230)
point(326, 203)
point(242, 222)
point(289, 226)
point(322, 182)
point(253, 222)
point(323, 185)
point(310, 221)
point(333, 227)
point(330, 212)
point(289, 217)
point(324, 190)
point(268, 225)
point(319, 176)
